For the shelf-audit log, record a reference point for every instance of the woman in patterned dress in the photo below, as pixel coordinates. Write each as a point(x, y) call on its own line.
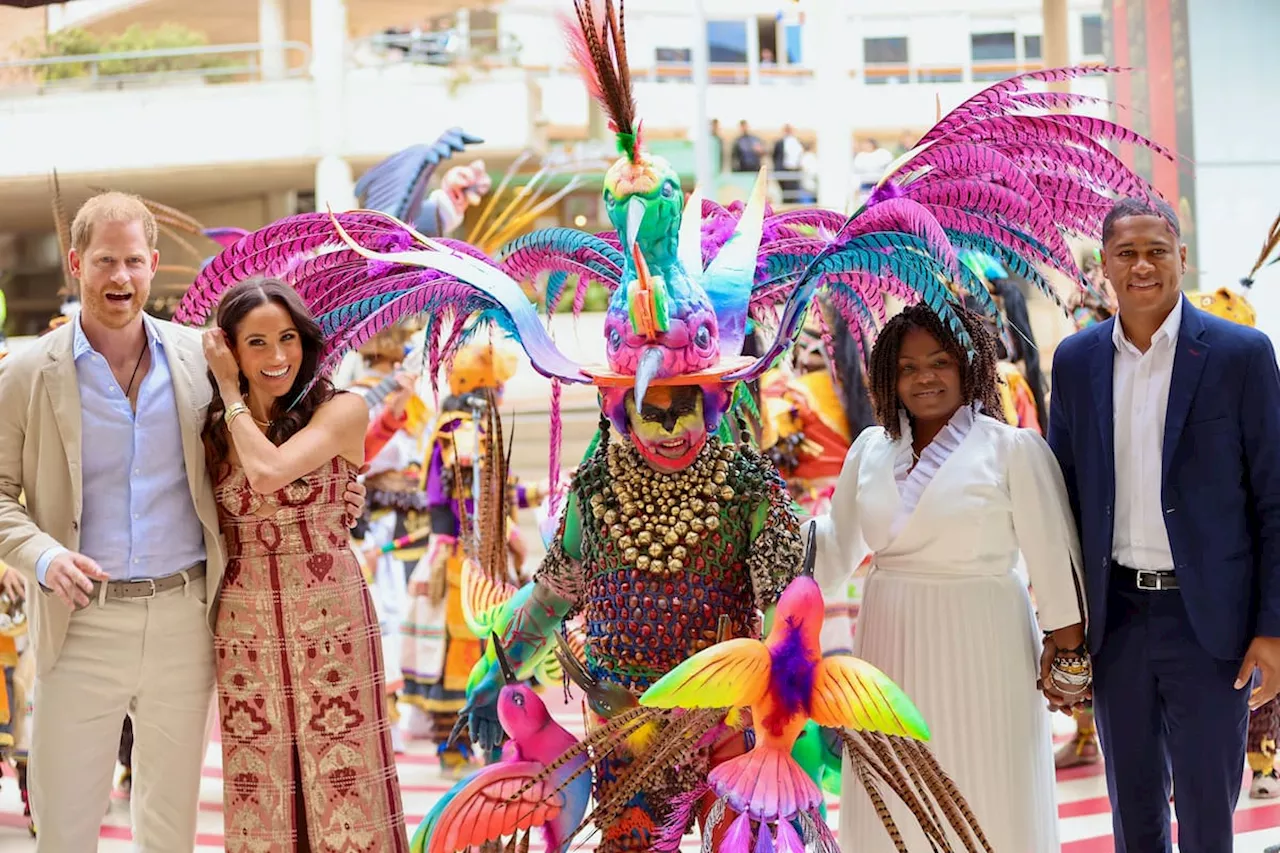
point(307, 760)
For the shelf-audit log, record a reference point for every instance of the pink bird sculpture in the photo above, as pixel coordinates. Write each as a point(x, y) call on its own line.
point(504, 798)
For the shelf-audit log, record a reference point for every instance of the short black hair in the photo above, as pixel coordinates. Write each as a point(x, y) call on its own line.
point(1126, 207)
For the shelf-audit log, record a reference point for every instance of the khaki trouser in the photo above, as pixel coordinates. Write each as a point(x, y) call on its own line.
point(150, 658)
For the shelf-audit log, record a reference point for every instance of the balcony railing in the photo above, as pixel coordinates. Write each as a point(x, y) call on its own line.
point(206, 64)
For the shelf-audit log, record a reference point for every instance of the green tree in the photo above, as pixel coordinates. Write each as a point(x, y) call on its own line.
point(76, 42)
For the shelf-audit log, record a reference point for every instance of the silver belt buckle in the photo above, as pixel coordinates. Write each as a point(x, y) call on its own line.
point(149, 595)
point(1151, 581)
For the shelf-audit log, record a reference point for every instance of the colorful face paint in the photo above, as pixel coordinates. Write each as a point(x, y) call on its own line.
point(668, 427)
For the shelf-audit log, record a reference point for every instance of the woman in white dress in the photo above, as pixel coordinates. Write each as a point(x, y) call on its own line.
point(946, 497)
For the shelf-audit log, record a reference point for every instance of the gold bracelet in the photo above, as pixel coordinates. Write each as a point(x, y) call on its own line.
point(233, 411)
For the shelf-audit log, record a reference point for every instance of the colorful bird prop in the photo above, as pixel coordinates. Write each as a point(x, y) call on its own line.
point(498, 801)
point(398, 184)
point(786, 683)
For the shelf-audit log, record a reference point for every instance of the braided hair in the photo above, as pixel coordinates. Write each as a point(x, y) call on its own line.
point(978, 378)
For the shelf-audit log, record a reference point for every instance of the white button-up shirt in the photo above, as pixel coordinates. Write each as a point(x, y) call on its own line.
point(1141, 401)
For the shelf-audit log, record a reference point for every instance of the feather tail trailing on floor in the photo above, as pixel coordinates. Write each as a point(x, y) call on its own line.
point(910, 771)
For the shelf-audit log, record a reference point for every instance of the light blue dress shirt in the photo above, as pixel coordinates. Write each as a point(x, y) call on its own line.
point(138, 520)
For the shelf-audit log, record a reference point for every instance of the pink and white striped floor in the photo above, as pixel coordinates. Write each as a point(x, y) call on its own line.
point(1082, 811)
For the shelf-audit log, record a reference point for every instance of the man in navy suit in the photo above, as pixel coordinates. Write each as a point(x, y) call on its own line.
point(1166, 422)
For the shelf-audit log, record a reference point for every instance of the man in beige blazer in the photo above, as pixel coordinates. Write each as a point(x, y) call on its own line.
point(100, 427)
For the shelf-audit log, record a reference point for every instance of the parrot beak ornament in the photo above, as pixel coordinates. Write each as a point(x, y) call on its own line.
point(507, 672)
point(810, 553)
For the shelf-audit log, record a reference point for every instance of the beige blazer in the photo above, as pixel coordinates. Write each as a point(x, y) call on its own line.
point(40, 456)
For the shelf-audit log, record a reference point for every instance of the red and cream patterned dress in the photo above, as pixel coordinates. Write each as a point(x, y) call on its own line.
point(300, 678)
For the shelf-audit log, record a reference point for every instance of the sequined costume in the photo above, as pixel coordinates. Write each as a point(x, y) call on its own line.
point(655, 562)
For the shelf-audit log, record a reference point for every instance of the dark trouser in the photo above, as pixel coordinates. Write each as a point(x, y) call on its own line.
point(1166, 710)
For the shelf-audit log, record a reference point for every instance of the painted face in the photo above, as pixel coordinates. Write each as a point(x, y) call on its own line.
point(1144, 262)
point(115, 273)
point(269, 350)
point(668, 427)
point(929, 382)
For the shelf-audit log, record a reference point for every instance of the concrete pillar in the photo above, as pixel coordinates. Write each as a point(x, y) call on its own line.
point(828, 24)
point(703, 172)
point(1057, 54)
point(271, 35)
point(335, 186)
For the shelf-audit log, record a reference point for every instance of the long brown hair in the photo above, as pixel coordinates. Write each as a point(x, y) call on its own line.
point(979, 382)
point(286, 417)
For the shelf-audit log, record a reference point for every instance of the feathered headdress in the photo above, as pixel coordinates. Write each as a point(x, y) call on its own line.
point(598, 43)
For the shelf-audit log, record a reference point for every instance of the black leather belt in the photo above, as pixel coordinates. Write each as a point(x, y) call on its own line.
point(148, 587)
point(1147, 580)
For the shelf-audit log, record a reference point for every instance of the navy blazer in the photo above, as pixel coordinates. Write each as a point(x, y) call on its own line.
point(1221, 473)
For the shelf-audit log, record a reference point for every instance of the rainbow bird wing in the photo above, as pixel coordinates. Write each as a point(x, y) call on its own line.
point(731, 674)
point(484, 809)
point(850, 693)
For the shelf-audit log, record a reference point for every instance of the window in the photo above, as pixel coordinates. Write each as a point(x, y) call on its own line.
point(794, 53)
point(988, 47)
point(727, 41)
point(1091, 35)
point(673, 55)
point(885, 51)
point(1031, 47)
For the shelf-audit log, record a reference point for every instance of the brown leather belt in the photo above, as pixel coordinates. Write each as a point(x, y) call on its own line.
point(141, 590)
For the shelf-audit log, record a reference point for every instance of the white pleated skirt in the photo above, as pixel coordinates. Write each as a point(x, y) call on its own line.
point(966, 650)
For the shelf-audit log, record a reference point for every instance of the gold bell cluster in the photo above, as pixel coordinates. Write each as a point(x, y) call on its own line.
point(655, 517)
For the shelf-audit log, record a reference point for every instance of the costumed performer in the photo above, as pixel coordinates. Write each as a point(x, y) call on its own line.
point(439, 648)
point(390, 539)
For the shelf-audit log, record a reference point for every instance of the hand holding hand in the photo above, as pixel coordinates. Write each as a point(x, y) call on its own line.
point(222, 362)
point(1264, 656)
point(1057, 701)
point(70, 577)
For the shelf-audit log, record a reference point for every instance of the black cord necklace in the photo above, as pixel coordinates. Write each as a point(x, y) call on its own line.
point(141, 354)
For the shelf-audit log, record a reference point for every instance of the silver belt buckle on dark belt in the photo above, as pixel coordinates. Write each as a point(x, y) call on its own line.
point(1156, 581)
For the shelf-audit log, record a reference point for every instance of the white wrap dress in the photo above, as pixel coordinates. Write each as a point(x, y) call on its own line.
point(946, 615)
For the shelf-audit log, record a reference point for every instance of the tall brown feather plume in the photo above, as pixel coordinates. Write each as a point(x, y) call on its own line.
point(911, 771)
point(607, 51)
point(675, 743)
point(62, 227)
point(1268, 246)
point(885, 767)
